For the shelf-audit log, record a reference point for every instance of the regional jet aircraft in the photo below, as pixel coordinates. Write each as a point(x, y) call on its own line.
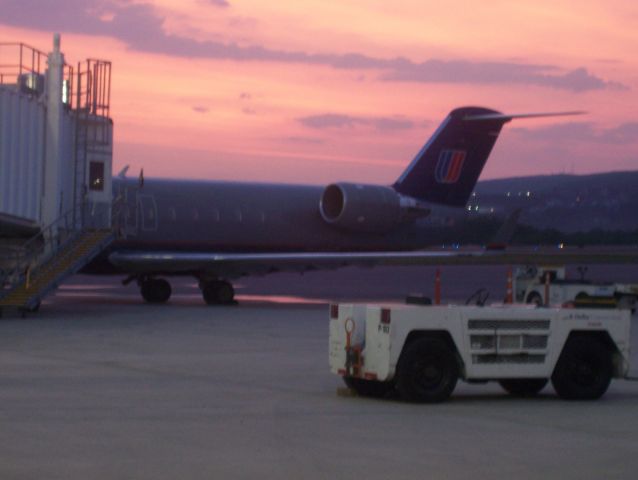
point(220, 231)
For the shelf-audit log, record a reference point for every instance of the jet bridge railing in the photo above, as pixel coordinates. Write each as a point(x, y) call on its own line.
point(23, 68)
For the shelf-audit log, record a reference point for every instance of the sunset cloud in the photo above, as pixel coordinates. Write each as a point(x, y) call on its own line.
point(334, 120)
point(140, 26)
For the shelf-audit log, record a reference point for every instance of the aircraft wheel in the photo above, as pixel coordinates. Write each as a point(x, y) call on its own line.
point(427, 371)
point(156, 290)
point(523, 387)
point(218, 292)
point(584, 369)
point(225, 293)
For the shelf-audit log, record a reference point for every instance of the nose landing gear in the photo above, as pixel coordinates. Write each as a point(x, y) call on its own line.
point(155, 290)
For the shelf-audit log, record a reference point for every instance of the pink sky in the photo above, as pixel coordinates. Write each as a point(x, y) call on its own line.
point(323, 90)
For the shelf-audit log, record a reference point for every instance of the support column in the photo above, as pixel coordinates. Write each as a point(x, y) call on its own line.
point(52, 195)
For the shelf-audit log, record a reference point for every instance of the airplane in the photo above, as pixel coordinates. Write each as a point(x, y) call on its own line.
point(220, 231)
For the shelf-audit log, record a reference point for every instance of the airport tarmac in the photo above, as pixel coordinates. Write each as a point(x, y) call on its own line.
point(99, 385)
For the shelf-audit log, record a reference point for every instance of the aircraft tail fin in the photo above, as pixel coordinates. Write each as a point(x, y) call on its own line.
point(448, 166)
point(505, 233)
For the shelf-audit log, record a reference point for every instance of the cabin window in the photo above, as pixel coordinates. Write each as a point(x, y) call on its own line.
point(172, 214)
point(238, 215)
point(215, 214)
point(195, 214)
point(96, 176)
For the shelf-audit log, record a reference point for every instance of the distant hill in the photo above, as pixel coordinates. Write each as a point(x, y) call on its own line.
point(568, 203)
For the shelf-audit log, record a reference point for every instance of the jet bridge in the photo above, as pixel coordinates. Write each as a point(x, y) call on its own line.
point(56, 143)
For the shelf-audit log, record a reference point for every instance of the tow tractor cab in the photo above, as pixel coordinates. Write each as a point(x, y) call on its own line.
point(421, 352)
point(550, 285)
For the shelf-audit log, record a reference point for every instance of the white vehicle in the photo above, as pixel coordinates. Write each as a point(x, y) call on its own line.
point(422, 351)
point(531, 285)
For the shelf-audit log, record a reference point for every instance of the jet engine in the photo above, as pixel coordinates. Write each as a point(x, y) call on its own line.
point(367, 208)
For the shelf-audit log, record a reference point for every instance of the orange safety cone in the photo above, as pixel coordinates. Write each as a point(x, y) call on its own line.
point(437, 287)
point(509, 296)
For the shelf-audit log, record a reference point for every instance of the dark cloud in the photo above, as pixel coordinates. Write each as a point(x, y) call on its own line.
point(200, 109)
point(140, 27)
point(582, 132)
point(334, 120)
point(304, 140)
point(245, 96)
point(460, 71)
point(218, 3)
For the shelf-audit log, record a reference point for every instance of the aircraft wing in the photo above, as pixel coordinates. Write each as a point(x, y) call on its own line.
point(235, 265)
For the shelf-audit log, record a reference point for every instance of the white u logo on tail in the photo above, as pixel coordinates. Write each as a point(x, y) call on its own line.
point(448, 167)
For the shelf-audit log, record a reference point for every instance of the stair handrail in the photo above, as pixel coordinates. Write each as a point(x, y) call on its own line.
point(24, 260)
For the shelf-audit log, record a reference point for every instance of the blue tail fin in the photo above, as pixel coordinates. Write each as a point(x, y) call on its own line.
point(447, 168)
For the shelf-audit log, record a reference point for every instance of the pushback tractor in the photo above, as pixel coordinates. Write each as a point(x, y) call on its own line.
point(420, 352)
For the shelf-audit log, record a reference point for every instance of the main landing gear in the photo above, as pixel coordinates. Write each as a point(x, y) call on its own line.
point(217, 292)
point(158, 290)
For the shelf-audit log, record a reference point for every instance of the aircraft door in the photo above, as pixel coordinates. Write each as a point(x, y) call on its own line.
point(129, 210)
point(148, 212)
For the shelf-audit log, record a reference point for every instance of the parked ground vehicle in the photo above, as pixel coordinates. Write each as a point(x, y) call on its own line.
point(549, 285)
point(421, 352)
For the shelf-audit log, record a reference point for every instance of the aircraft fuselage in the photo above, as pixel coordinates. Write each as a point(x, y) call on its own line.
point(190, 215)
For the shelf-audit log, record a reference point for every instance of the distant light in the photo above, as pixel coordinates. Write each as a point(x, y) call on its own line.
point(476, 208)
point(528, 194)
point(508, 194)
point(469, 208)
point(561, 245)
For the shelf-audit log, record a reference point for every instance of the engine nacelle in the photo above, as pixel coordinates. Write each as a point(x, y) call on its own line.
point(367, 208)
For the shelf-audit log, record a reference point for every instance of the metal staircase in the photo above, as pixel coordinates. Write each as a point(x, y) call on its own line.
point(34, 285)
